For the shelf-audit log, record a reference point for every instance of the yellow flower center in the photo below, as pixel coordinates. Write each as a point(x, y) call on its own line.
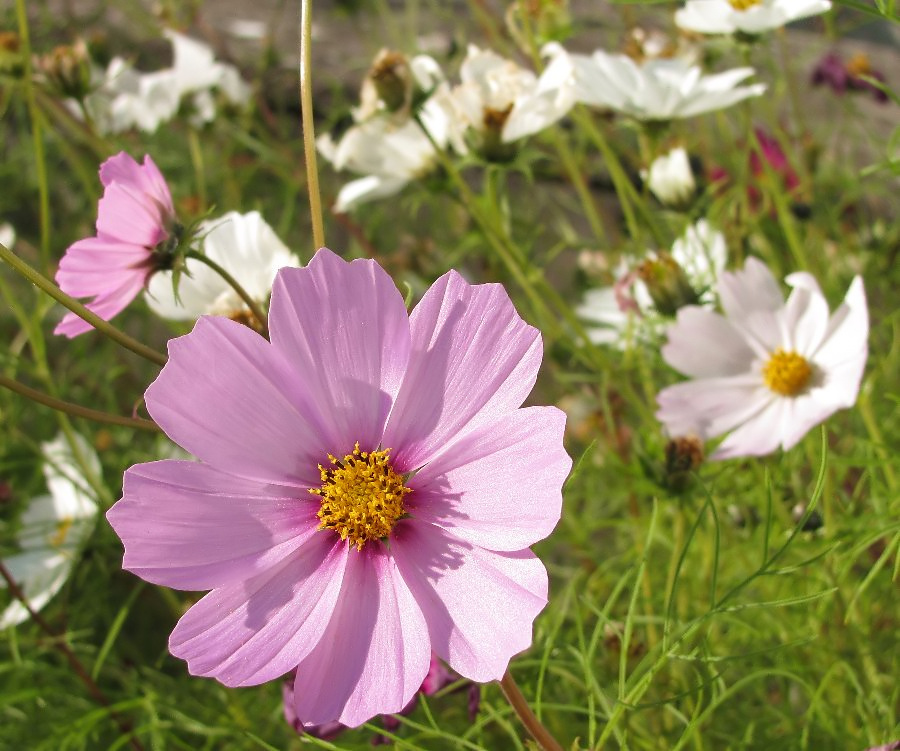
point(362, 496)
point(744, 4)
point(787, 373)
point(859, 65)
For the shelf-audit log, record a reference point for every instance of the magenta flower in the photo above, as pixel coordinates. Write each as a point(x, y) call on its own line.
point(367, 490)
point(135, 220)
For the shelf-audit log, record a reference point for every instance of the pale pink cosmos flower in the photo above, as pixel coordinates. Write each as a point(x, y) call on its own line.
point(367, 490)
point(768, 370)
point(135, 218)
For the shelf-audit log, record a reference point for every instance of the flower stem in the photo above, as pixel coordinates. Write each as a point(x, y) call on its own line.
point(76, 664)
point(76, 409)
point(37, 136)
point(517, 701)
point(309, 133)
point(104, 327)
point(257, 311)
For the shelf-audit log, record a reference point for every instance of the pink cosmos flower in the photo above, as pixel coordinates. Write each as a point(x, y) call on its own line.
point(134, 218)
point(367, 490)
point(769, 369)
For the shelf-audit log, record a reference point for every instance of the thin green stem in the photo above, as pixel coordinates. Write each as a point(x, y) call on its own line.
point(75, 409)
point(37, 136)
point(197, 161)
point(255, 309)
point(309, 134)
point(519, 704)
point(76, 664)
point(104, 327)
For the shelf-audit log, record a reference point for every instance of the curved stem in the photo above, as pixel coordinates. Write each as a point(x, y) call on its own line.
point(257, 311)
point(76, 409)
point(76, 664)
point(517, 701)
point(309, 134)
point(104, 327)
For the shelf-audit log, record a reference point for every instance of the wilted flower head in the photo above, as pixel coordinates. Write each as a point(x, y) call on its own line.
point(503, 102)
point(670, 178)
point(68, 69)
point(53, 527)
point(832, 71)
point(768, 370)
point(660, 283)
point(654, 90)
point(366, 492)
point(397, 85)
point(744, 16)
point(136, 230)
point(246, 247)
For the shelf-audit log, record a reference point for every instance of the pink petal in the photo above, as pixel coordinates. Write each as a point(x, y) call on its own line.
point(473, 359)
point(758, 436)
point(227, 396)
point(146, 178)
point(711, 406)
point(188, 526)
point(750, 289)
point(106, 305)
point(375, 653)
point(703, 344)
point(479, 605)
point(499, 486)
point(252, 632)
point(130, 216)
point(343, 328)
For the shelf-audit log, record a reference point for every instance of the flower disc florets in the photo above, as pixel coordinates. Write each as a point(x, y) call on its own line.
point(787, 373)
point(362, 496)
point(743, 4)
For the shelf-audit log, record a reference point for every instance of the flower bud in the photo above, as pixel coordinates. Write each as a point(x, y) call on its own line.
point(67, 68)
point(684, 454)
point(10, 55)
point(671, 180)
point(667, 284)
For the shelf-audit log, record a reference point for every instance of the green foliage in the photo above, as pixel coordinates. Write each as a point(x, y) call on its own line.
point(754, 608)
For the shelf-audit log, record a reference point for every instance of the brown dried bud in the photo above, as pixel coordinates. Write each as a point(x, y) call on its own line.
point(667, 284)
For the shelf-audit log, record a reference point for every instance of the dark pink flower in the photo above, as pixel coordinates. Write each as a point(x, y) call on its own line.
point(832, 71)
point(135, 218)
point(367, 490)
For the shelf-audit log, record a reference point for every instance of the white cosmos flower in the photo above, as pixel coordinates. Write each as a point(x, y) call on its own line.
point(497, 93)
point(670, 178)
point(767, 370)
point(745, 16)
point(625, 312)
point(53, 528)
point(657, 89)
point(123, 98)
point(246, 247)
point(388, 154)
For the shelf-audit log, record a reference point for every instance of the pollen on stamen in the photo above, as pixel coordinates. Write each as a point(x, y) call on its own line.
point(787, 373)
point(743, 4)
point(361, 496)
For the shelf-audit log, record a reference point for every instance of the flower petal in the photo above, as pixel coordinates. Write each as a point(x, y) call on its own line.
point(761, 434)
point(188, 526)
point(128, 215)
point(498, 487)
point(375, 653)
point(711, 406)
point(107, 306)
point(479, 605)
point(750, 289)
point(146, 178)
point(344, 330)
point(703, 344)
point(473, 359)
point(227, 396)
point(252, 632)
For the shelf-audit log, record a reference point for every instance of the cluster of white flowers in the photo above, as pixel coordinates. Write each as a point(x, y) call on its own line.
point(123, 98)
point(626, 312)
